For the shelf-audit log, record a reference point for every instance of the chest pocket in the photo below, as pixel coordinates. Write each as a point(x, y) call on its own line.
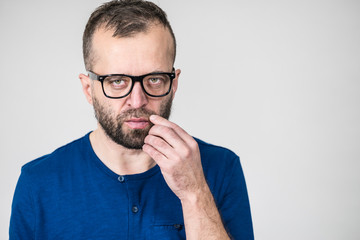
point(167, 231)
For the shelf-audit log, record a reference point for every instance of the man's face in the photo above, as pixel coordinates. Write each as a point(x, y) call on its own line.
point(126, 120)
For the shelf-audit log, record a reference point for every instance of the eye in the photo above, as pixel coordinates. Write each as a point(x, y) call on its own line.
point(155, 80)
point(117, 82)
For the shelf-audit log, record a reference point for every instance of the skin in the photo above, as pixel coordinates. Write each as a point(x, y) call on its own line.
point(167, 144)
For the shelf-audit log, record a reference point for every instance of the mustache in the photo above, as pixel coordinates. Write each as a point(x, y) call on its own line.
point(136, 113)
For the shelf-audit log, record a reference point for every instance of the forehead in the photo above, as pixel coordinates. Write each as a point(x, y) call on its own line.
point(137, 54)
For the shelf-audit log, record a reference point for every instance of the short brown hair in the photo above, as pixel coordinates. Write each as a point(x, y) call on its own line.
point(126, 18)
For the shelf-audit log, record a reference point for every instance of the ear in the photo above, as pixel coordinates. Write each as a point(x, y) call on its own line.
point(175, 81)
point(86, 83)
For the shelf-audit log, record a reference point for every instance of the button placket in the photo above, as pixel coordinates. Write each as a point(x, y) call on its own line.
point(134, 187)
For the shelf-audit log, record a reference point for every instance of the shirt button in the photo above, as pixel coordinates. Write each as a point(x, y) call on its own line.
point(178, 226)
point(121, 179)
point(134, 209)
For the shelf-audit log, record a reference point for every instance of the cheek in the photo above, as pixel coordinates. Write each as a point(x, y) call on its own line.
point(112, 106)
point(165, 107)
point(154, 105)
point(116, 106)
point(96, 92)
point(164, 101)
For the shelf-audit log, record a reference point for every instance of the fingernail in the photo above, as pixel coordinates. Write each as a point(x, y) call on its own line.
point(152, 117)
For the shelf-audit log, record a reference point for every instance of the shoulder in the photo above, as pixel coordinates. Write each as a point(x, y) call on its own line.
point(222, 170)
point(58, 159)
point(211, 151)
point(216, 159)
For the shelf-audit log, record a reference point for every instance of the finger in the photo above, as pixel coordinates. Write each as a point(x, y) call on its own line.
point(157, 156)
point(161, 146)
point(157, 120)
point(168, 135)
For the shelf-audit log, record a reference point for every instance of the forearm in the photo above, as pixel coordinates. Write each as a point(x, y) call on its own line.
point(202, 218)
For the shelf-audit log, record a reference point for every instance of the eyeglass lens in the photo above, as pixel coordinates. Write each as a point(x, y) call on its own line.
point(154, 84)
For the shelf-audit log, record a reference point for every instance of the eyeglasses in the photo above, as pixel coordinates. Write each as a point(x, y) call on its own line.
point(157, 84)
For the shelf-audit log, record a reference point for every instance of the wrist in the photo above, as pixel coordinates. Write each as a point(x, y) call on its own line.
point(197, 199)
point(201, 216)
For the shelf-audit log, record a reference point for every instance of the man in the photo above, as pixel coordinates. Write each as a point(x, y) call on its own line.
point(138, 175)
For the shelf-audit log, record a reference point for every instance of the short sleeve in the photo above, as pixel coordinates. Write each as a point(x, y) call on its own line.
point(22, 221)
point(235, 207)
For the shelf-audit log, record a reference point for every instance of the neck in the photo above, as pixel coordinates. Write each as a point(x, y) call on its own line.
point(121, 160)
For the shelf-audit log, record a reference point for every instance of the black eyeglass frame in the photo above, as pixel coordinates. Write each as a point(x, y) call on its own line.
point(134, 79)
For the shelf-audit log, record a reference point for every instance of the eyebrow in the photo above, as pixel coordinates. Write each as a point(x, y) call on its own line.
point(158, 70)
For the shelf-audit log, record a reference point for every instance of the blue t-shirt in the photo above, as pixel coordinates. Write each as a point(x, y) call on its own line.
point(71, 194)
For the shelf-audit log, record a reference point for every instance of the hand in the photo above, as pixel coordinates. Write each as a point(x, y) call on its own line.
point(178, 157)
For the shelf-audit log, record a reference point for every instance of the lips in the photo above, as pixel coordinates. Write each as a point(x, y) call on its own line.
point(137, 123)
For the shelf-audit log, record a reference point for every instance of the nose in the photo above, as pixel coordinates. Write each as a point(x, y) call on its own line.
point(137, 97)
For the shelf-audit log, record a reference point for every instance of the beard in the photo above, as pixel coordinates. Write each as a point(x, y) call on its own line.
point(114, 126)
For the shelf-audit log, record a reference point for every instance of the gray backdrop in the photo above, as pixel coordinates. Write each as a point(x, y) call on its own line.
point(278, 82)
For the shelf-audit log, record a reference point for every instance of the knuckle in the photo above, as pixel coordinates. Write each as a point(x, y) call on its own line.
point(153, 153)
point(147, 139)
point(148, 149)
point(174, 125)
point(193, 144)
point(187, 152)
point(157, 155)
point(168, 131)
point(153, 129)
point(159, 142)
point(176, 158)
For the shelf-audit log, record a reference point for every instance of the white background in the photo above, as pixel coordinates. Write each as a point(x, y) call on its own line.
point(278, 82)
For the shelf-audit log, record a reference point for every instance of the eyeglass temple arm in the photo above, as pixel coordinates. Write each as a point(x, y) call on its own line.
point(92, 75)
